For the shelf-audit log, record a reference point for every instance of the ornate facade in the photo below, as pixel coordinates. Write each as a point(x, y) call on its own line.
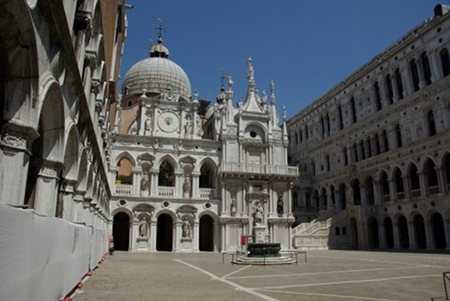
point(190, 177)
point(58, 77)
point(373, 152)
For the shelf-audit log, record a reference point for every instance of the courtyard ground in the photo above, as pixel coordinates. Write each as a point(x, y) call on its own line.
point(327, 275)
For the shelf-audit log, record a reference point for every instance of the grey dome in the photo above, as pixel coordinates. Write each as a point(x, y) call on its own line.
point(155, 75)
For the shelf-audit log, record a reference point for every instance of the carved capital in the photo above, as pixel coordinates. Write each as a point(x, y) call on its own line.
point(83, 21)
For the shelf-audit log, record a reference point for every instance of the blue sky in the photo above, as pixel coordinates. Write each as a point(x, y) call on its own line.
point(305, 46)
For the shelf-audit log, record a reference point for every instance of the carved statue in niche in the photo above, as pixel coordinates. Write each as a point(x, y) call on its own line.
point(148, 125)
point(187, 186)
point(233, 207)
point(186, 228)
point(258, 214)
point(144, 182)
point(280, 205)
point(143, 228)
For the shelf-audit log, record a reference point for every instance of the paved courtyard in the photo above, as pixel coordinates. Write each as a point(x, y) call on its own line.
point(327, 275)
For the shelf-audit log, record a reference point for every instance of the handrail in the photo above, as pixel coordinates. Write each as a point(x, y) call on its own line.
point(445, 277)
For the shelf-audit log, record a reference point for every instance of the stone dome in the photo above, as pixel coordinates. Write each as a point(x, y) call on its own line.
point(156, 75)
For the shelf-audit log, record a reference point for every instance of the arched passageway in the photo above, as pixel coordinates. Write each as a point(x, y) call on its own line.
point(164, 233)
point(403, 232)
point(372, 231)
point(121, 231)
point(388, 232)
point(354, 233)
point(419, 229)
point(206, 242)
point(437, 226)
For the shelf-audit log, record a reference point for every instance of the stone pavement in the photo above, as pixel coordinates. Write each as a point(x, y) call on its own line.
point(327, 275)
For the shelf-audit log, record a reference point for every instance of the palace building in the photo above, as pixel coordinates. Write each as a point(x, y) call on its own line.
point(188, 176)
point(374, 152)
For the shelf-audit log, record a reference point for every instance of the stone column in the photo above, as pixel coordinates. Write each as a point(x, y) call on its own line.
point(176, 235)
point(153, 228)
point(412, 236)
point(14, 157)
point(394, 86)
point(420, 71)
point(396, 235)
point(77, 211)
point(196, 235)
point(153, 182)
point(47, 187)
point(443, 187)
point(195, 184)
point(406, 79)
point(137, 174)
point(407, 185)
point(392, 190)
point(377, 192)
point(435, 66)
point(423, 184)
point(429, 235)
point(67, 192)
point(381, 236)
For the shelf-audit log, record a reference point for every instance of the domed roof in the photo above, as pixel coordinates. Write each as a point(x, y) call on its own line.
point(155, 75)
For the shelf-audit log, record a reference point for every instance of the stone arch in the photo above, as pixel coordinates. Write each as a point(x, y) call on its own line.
point(125, 164)
point(167, 166)
point(208, 170)
point(165, 229)
point(403, 235)
point(356, 191)
point(71, 149)
point(343, 196)
point(438, 230)
point(370, 193)
point(47, 152)
point(388, 232)
point(384, 183)
point(121, 229)
point(353, 233)
point(419, 230)
point(372, 233)
point(323, 198)
point(429, 170)
point(413, 174)
point(255, 131)
point(19, 70)
point(208, 231)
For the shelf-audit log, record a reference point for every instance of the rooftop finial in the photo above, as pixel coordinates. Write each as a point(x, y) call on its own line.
point(222, 80)
point(160, 30)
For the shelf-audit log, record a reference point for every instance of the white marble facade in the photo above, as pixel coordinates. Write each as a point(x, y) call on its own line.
point(197, 174)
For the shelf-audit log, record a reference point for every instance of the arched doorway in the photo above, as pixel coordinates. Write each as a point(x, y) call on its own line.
point(403, 232)
point(164, 233)
point(121, 231)
point(372, 231)
point(419, 228)
point(437, 226)
point(206, 242)
point(388, 232)
point(354, 233)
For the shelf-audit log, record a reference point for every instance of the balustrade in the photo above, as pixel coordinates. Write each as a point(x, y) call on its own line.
point(124, 189)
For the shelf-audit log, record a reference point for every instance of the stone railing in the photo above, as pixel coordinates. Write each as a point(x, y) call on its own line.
point(166, 191)
point(237, 167)
point(207, 193)
point(124, 189)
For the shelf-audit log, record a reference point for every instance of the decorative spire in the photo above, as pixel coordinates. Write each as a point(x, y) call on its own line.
point(160, 30)
point(250, 74)
point(159, 50)
point(222, 80)
point(230, 83)
point(272, 93)
point(222, 96)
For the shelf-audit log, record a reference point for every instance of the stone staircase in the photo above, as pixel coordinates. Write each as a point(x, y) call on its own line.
point(320, 234)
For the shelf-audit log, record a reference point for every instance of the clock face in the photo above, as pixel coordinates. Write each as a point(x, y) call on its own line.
point(168, 122)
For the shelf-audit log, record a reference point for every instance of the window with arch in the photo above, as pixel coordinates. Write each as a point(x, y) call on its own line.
point(399, 184)
point(415, 182)
point(341, 119)
point(414, 74)
point(376, 88)
point(398, 132)
point(353, 109)
point(399, 81)
point(166, 175)
point(206, 176)
point(370, 194)
point(355, 186)
point(389, 88)
point(445, 61)
point(431, 123)
point(124, 173)
point(426, 67)
point(295, 200)
point(432, 177)
point(385, 187)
